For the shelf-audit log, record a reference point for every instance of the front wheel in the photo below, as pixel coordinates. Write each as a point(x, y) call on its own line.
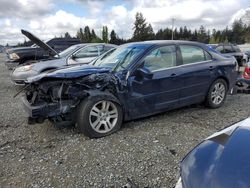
point(98, 118)
point(217, 94)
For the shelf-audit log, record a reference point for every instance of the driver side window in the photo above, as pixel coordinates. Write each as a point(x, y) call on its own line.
point(161, 58)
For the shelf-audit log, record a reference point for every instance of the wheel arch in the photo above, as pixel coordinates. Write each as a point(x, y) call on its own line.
point(103, 94)
point(223, 78)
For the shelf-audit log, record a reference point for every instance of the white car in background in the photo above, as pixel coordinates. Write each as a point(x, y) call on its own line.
point(76, 54)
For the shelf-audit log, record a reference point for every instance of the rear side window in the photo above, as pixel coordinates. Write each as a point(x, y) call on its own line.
point(220, 49)
point(192, 54)
point(161, 58)
point(228, 49)
point(236, 49)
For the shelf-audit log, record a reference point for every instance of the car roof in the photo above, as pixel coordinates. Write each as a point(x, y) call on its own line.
point(159, 42)
point(91, 44)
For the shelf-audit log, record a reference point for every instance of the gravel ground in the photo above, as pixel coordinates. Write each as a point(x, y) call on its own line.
point(148, 150)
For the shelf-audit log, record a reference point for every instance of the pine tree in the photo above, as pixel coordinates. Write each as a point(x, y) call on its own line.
point(142, 31)
point(113, 37)
point(67, 35)
point(94, 37)
point(238, 35)
point(105, 34)
point(87, 35)
point(80, 35)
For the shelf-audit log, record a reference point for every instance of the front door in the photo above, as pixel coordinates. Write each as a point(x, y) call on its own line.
point(148, 95)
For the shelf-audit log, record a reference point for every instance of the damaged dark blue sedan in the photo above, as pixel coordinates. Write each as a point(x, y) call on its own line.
point(136, 80)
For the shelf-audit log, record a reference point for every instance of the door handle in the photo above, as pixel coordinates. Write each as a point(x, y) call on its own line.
point(172, 76)
point(211, 68)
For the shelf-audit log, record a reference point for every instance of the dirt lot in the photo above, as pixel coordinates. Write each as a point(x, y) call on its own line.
point(147, 150)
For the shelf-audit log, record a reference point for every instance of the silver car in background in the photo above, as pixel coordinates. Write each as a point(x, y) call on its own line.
point(76, 54)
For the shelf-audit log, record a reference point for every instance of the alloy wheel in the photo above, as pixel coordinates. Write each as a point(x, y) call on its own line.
point(103, 116)
point(218, 93)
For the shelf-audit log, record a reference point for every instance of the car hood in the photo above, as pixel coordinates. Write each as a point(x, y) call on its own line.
point(222, 160)
point(49, 64)
point(69, 73)
point(39, 42)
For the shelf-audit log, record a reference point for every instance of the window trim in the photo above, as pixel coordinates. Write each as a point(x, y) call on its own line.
point(179, 62)
point(196, 47)
point(183, 65)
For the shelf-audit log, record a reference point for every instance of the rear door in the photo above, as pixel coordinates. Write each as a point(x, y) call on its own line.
point(150, 95)
point(198, 71)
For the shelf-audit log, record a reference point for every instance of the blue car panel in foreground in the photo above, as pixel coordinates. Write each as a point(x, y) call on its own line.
point(220, 161)
point(136, 80)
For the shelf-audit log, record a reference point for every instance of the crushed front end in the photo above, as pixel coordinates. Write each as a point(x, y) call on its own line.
point(57, 99)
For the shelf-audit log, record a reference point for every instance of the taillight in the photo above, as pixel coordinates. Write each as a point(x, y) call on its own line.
point(246, 73)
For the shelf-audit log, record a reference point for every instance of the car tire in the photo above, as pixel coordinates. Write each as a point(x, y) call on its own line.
point(98, 117)
point(217, 94)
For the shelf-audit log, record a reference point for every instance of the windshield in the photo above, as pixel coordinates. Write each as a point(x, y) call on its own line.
point(121, 58)
point(68, 51)
point(100, 59)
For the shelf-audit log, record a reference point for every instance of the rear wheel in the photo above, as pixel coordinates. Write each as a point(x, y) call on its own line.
point(217, 94)
point(98, 118)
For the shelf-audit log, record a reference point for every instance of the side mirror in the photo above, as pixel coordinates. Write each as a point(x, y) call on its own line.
point(144, 73)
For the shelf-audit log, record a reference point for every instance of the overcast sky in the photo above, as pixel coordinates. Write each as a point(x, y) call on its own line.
point(49, 18)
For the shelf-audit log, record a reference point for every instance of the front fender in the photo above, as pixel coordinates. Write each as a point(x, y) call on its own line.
point(102, 95)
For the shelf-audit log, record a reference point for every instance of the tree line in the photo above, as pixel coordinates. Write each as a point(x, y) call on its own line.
point(239, 33)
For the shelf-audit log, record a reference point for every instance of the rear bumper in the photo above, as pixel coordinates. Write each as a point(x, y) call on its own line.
point(46, 110)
